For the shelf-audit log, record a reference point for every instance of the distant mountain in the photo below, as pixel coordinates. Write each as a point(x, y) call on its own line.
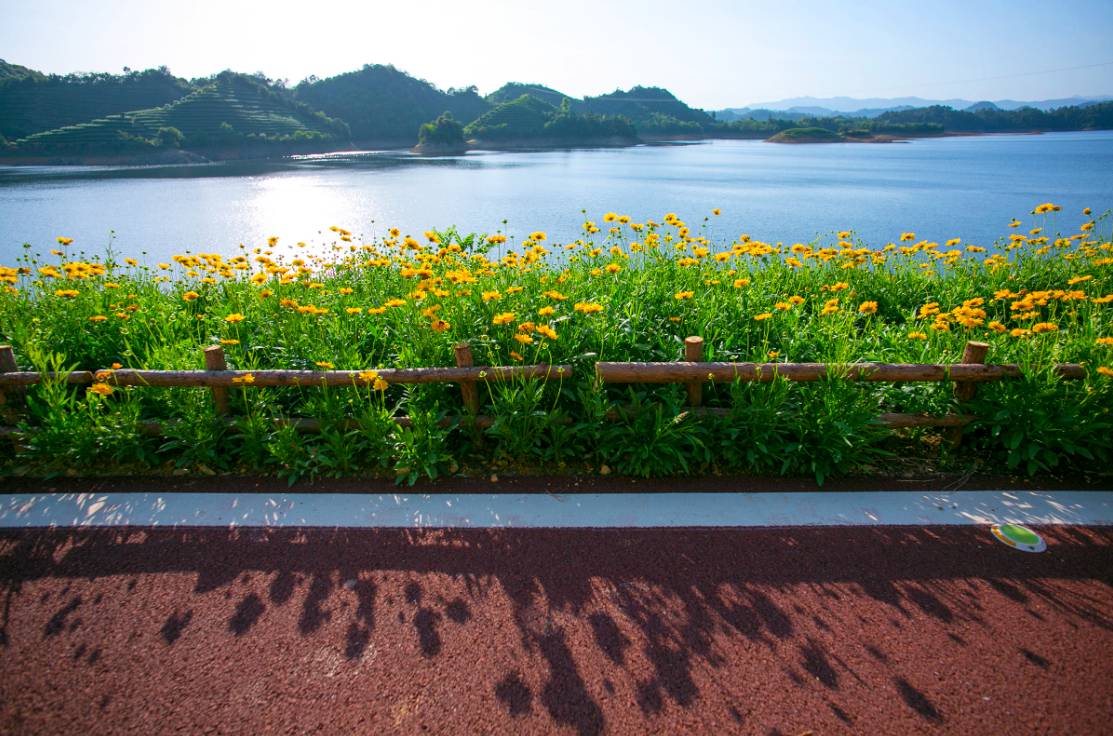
point(31, 102)
point(844, 105)
point(983, 105)
point(381, 103)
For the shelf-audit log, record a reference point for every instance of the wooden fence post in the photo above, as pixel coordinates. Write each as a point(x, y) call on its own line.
point(693, 353)
point(468, 389)
point(7, 365)
point(975, 352)
point(214, 361)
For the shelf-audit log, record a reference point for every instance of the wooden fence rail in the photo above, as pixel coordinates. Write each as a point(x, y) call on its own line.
point(691, 372)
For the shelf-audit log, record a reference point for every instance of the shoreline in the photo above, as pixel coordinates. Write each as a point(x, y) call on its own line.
point(185, 157)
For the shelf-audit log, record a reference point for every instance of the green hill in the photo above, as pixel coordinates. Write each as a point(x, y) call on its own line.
point(513, 90)
point(381, 103)
point(33, 103)
point(530, 120)
point(229, 109)
point(651, 110)
point(15, 71)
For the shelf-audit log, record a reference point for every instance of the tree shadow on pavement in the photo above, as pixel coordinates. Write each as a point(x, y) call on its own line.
point(654, 613)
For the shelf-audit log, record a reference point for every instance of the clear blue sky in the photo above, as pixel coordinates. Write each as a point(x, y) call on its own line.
point(711, 53)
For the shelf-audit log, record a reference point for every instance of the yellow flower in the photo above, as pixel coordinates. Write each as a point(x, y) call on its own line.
point(1040, 327)
point(545, 311)
point(439, 325)
point(346, 290)
point(490, 296)
point(1105, 371)
point(1078, 280)
point(840, 286)
point(67, 293)
point(503, 318)
point(868, 307)
point(190, 296)
point(368, 376)
point(739, 283)
point(613, 268)
point(516, 356)
point(588, 307)
point(762, 316)
point(229, 342)
point(101, 389)
point(523, 338)
point(553, 294)
point(684, 295)
point(354, 310)
point(244, 380)
point(98, 318)
point(324, 364)
point(1105, 341)
point(380, 385)
point(64, 241)
point(234, 318)
point(716, 211)
point(376, 310)
point(907, 236)
point(917, 336)
point(547, 331)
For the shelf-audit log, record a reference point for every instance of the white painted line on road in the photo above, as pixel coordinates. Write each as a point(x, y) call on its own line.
point(581, 510)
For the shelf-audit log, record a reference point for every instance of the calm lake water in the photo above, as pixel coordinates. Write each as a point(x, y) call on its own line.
point(939, 188)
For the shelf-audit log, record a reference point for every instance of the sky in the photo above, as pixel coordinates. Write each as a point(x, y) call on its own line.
point(710, 53)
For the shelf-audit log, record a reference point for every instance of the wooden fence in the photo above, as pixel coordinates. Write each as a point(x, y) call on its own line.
point(693, 372)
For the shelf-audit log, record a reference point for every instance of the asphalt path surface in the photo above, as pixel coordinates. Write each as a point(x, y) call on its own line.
point(907, 629)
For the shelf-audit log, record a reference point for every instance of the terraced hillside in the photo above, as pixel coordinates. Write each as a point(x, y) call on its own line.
point(31, 102)
point(231, 109)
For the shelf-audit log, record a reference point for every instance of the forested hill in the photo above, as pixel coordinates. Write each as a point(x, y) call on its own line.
point(131, 116)
point(31, 102)
point(228, 110)
point(380, 103)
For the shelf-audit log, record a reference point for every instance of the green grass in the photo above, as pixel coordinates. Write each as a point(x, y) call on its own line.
point(398, 302)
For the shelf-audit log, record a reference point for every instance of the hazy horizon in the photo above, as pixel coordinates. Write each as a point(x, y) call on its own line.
point(714, 55)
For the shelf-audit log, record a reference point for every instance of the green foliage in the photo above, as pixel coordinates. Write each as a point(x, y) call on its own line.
point(443, 132)
point(1041, 424)
point(626, 295)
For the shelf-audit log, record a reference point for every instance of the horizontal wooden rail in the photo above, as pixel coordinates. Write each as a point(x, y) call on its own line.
point(766, 372)
point(267, 378)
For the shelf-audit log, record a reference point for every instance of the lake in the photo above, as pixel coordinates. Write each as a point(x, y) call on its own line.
point(940, 188)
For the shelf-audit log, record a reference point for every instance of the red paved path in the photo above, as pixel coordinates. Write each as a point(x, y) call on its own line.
point(863, 630)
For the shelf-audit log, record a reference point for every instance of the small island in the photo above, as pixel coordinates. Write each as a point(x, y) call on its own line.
point(442, 137)
point(824, 135)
